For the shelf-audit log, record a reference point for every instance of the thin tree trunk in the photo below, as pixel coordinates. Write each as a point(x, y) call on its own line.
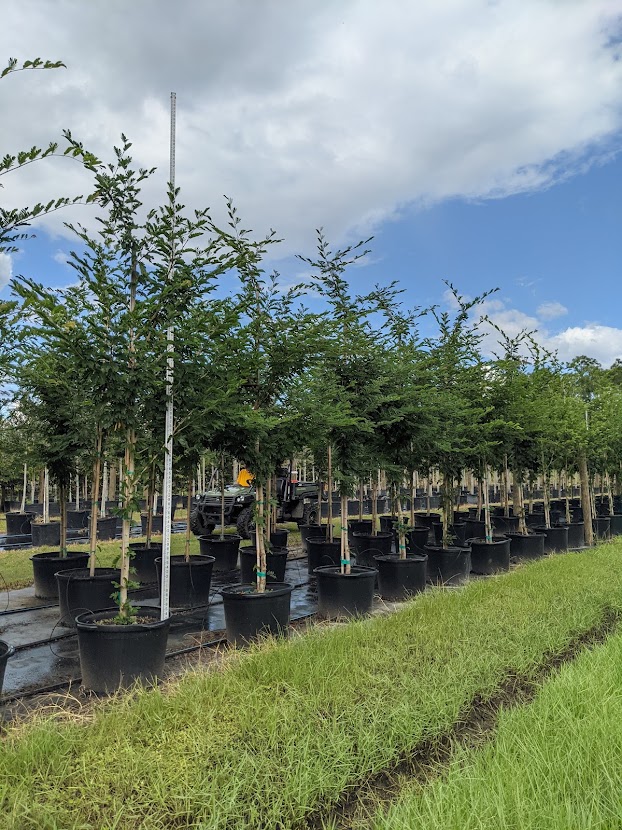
point(447, 507)
point(128, 497)
point(330, 493)
point(95, 502)
point(104, 499)
point(374, 507)
point(361, 494)
point(46, 496)
point(401, 531)
point(63, 519)
point(413, 496)
point(188, 512)
point(506, 487)
point(259, 540)
point(150, 497)
point(547, 503)
point(518, 503)
point(23, 504)
point(487, 522)
point(222, 496)
point(345, 548)
point(77, 491)
point(586, 501)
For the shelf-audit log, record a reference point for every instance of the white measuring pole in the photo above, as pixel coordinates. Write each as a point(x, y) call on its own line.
point(167, 486)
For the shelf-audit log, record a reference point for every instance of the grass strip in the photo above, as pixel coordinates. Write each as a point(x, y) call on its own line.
point(555, 764)
point(279, 735)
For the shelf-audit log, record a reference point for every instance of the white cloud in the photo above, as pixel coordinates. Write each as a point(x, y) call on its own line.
point(61, 257)
point(6, 269)
point(604, 343)
point(549, 311)
point(339, 115)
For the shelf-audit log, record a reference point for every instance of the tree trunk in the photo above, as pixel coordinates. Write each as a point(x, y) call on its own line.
point(95, 503)
point(63, 519)
point(345, 548)
point(374, 507)
point(330, 493)
point(23, 505)
point(518, 502)
point(128, 498)
point(361, 496)
point(188, 512)
point(487, 522)
point(259, 540)
point(401, 531)
point(46, 496)
point(586, 501)
point(413, 496)
point(222, 496)
point(447, 508)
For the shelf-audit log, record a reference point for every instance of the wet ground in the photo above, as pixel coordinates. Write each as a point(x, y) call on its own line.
point(47, 653)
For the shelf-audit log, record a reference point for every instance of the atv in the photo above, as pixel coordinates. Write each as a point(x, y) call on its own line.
point(296, 502)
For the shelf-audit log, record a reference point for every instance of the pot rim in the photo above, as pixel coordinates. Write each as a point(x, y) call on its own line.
point(85, 624)
point(240, 592)
point(195, 559)
point(356, 572)
point(394, 557)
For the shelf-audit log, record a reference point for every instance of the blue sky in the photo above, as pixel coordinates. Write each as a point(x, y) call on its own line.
point(477, 141)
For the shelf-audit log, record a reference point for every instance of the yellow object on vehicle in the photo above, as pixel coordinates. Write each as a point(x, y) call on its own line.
point(245, 477)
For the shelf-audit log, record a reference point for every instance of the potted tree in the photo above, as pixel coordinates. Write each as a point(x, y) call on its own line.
point(354, 388)
point(271, 347)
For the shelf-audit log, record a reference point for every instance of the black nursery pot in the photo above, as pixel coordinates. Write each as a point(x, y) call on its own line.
point(190, 582)
point(345, 595)
point(323, 553)
point(249, 614)
point(143, 562)
point(278, 537)
point(77, 519)
point(156, 523)
point(556, 538)
point(616, 524)
point(276, 560)
point(366, 547)
point(458, 531)
point(505, 524)
point(18, 524)
point(224, 551)
point(475, 529)
point(576, 535)
point(527, 547)
point(490, 557)
point(45, 534)
point(602, 528)
point(46, 565)
point(6, 651)
point(388, 523)
point(311, 532)
point(107, 528)
point(448, 566)
point(78, 592)
point(416, 539)
point(115, 656)
point(358, 526)
point(401, 578)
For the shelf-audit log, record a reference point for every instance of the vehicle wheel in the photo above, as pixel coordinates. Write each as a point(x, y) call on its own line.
point(198, 524)
point(309, 515)
point(245, 524)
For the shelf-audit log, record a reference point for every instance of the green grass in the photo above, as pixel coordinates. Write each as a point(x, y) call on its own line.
point(553, 765)
point(282, 732)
